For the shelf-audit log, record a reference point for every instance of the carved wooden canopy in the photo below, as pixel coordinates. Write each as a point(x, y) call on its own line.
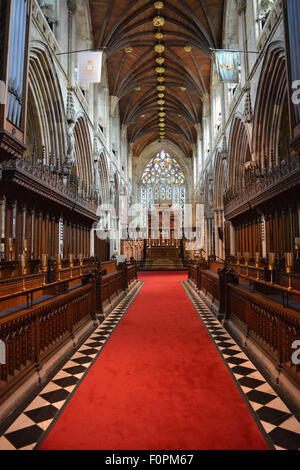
point(184, 31)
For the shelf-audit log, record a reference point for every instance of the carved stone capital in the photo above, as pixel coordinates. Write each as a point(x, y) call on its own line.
point(241, 6)
point(72, 7)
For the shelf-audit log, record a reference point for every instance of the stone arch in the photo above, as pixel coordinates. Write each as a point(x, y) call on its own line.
point(174, 151)
point(103, 169)
point(46, 121)
point(238, 154)
point(83, 152)
point(219, 182)
point(271, 101)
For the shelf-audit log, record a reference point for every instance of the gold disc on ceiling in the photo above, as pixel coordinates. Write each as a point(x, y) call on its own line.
point(162, 114)
point(160, 79)
point(138, 88)
point(187, 48)
point(159, 36)
point(162, 124)
point(160, 70)
point(159, 48)
point(128, 50)
point(161, 102)
point(158, 21)
point(162, 108)
point(161, 88)
point(160, 60)
point(161, 119)
point(183, 88)
point(158, 5)
point(161, 95)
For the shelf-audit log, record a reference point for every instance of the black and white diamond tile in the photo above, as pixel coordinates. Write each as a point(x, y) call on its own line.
point(28, 428)
point(282, 428)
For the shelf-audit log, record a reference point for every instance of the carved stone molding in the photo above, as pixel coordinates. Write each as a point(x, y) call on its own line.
point(241, 6)
point(72, 6)
point(247, 114)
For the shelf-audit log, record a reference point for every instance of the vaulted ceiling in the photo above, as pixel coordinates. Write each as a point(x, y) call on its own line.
point(159, 63)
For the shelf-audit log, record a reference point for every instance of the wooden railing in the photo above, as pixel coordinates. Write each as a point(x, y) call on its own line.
point(33, 334)
point(272, 326)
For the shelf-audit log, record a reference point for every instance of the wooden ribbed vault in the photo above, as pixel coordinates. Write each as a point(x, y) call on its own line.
point(129, 32)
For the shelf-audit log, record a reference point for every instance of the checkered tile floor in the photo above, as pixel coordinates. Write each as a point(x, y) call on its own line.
point(28, 428)
point(280, 427)
point(30, 425)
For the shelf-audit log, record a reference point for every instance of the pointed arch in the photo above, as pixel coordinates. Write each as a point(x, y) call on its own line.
point(83, 153)
point(271, 101)
point(46, 120)
point(238, 154)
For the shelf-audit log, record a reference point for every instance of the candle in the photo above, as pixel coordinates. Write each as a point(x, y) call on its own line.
point(289, 260)
point(257, 258)
point(247, 256)
point(58, 259)
point(25, 245)
point(272, 259)
point(23, 261)
point(44, 260)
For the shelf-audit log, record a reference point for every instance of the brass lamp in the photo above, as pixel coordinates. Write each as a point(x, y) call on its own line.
point(58, 262)
point(10, 247)
point(238, 260)
point(271, 266)
point(297, 246)
point(23, 267)
point(257, 260)
point(289, 263)
point(71, 262)
point(247, 257)
point(80, 262)
point(44, 267)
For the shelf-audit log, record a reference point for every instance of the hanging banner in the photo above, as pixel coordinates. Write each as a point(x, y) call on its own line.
point(89, 67)
point(227, 64)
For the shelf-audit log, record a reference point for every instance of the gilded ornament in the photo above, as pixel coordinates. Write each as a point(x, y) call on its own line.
point(159, 48)
point(158, 21)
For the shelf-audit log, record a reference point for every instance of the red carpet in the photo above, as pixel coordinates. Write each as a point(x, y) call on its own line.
point(159, 384)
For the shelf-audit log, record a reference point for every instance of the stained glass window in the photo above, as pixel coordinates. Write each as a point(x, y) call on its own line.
point(163, 180)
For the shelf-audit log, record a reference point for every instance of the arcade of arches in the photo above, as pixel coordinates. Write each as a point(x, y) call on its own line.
point(161, 187)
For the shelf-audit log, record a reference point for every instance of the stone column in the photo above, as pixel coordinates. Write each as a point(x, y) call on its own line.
point(71, 27)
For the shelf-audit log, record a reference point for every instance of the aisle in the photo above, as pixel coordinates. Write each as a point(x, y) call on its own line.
point(159, 383)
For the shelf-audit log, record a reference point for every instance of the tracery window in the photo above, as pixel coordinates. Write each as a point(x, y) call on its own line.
point(163, 181)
